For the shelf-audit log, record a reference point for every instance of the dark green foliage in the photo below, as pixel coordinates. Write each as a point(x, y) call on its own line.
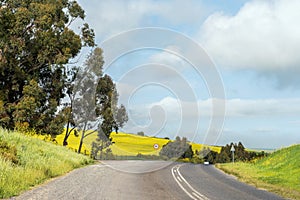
point(240, 154)
point(35, 44)
point(141, 133)
point(85, 106)
point(94, 103)
point(177, 149)
point(112, 116)
point(98, 153)
point(208, 155)
point(225, 155)
point(68, 106)
point(197, 160)
point(188, 152)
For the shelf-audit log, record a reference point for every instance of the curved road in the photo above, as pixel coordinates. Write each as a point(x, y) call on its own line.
point(146, 180)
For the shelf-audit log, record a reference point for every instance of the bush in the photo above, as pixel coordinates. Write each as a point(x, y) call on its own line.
point(197, 160)
point(141, 133)
point(180, 149)
point(8, 152)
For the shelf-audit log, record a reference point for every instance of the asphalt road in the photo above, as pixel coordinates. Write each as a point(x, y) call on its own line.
point(146, 180)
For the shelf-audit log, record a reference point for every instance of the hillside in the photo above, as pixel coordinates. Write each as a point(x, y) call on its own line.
point(279, 172)
point(127, 144)
point(27, 161)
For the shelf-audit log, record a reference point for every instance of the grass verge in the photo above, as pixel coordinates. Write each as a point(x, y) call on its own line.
point(26, 162)
point(278, 173)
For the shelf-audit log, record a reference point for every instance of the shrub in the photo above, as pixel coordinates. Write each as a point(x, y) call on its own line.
point(180, 148)
point(8, 152)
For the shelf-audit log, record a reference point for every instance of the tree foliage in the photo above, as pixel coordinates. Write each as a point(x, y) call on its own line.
point(95, 103)
point(112, 116)
point(35, 44)
point(225, 156)
point(240, 153)
point(68, 106)
point(207, 155)
point(141, 133)
point(179, 148)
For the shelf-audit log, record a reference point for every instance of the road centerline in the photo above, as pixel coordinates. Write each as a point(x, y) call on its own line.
point(185, 186)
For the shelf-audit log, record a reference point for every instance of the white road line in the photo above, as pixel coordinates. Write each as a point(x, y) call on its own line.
point(202, 196)
point(181, 185)
point(195, 194)
point(179, 178)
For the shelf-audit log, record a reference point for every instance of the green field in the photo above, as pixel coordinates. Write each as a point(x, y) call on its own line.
point(26, 162)
point(279, 172)
point(127, 144)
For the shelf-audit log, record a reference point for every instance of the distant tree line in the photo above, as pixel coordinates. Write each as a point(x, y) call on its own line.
point(225, 156)
point(181, 150)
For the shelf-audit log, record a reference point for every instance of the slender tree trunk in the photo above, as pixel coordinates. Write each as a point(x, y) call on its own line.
point(82, 137)
point(65, 143)
point(67, 136)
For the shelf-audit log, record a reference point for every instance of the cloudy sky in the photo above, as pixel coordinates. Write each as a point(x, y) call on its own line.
point(213, 71)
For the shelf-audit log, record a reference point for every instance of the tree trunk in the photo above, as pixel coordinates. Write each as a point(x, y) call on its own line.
point(82, 137)
point(81, 142)
point(65, 143)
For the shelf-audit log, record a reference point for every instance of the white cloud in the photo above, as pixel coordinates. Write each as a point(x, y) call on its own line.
point(263, 35)
point(257, 107)
point(170, 116)
point(112, 17)
point(170, 57)
point(234, 107)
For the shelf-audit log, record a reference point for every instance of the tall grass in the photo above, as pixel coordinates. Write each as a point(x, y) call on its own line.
point(37, 161)
point(279, 172)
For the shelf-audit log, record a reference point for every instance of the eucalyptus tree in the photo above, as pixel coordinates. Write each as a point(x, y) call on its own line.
point(36, 43)
point(95, 103)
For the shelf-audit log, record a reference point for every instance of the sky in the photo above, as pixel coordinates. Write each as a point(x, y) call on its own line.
point(213, 71)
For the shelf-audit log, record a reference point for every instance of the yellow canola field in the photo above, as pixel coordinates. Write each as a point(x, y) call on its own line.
point(127, 144)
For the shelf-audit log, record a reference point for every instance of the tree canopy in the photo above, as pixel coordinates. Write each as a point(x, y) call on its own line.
point(179, 148)
point(36, 43)
point(94, 102)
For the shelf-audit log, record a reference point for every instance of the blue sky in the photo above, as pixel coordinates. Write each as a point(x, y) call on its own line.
point(253, 45)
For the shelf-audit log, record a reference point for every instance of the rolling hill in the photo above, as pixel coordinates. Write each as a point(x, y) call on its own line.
point(127, 144)
point(279, 172)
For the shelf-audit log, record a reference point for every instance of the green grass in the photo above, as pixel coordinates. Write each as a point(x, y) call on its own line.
point(127, 144)
point(36, 161)
point(278, 173)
